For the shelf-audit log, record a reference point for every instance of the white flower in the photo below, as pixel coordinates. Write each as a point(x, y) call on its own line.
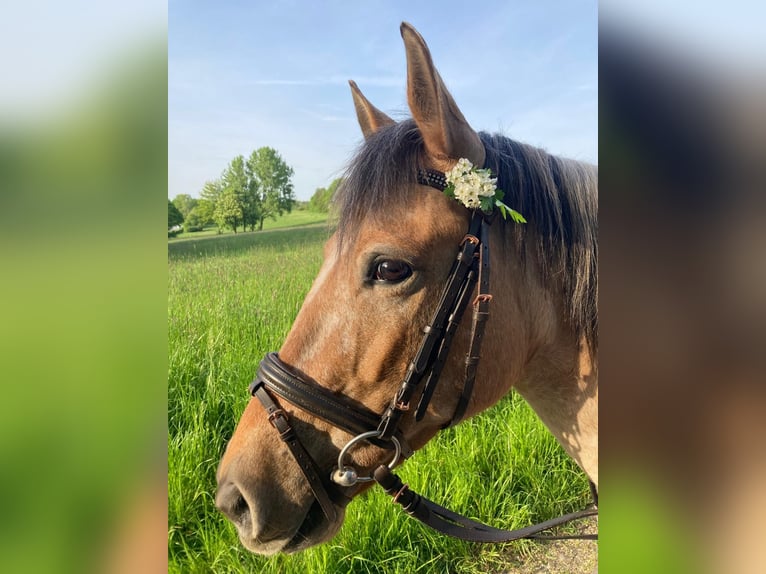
point(472, 187)
point(470, 184)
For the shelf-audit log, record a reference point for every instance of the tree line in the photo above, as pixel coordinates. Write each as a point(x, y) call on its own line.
point(248, 191)
point(322, 198)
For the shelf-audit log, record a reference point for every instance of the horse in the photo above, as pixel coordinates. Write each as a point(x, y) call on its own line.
point(359, 332)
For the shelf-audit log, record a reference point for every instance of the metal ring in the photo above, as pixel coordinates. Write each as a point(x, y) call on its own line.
point(365, 436)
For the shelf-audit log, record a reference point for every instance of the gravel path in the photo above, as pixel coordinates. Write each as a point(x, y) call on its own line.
point(559, 556)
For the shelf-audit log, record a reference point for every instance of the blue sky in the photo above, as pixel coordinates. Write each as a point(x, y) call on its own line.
point(248, 74)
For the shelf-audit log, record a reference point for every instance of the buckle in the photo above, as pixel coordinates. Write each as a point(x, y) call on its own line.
point(482, 298)
point(281, 424)
point(402, 490)
point(278, 419)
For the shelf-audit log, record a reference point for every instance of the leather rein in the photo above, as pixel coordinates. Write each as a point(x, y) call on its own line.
point(275, 380)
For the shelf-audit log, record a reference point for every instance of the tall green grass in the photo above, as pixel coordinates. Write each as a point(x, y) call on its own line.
point(234, 298)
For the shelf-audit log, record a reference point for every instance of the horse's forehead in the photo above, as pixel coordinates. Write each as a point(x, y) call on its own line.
point(424, 223)
point(404, 237)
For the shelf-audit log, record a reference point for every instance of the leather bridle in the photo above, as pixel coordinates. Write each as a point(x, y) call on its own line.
point(276, 380)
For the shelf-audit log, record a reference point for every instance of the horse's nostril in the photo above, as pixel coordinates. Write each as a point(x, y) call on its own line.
point(240, 507)
point(230, 501)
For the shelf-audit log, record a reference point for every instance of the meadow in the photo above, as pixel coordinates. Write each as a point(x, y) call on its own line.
point(297, 218)
point(233, 298)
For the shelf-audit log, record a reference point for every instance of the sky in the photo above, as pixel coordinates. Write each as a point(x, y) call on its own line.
point(243, 75)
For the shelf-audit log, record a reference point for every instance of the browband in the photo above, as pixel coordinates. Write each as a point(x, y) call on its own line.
point(432, 178)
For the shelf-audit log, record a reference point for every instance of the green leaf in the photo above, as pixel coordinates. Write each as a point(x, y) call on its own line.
point(515, 215)
point(487, 203)
point(449, 191)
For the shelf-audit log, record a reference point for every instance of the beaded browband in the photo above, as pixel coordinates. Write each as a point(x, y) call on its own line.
point(432, 178)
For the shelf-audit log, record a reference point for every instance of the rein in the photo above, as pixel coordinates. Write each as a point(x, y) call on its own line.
point(471, 267)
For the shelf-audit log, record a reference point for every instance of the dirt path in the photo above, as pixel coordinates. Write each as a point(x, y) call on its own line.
point(560, 556)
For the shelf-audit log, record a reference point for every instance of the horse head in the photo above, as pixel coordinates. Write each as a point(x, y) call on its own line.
point(353, 341)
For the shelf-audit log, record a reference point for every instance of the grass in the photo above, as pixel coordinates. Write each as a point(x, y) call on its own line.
point(295, 218)
point(234, 298)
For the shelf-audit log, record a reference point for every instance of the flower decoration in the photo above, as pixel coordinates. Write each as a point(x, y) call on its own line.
point(477, 189)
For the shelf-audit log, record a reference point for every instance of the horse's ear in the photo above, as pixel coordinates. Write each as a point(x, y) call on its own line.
point(371, 119)
point(446, 133)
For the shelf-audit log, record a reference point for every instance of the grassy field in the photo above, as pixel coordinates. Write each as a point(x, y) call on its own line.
point(294, 219)
point(231, 300)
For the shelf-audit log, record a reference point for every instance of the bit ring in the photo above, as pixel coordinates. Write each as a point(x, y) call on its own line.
point(364, 436)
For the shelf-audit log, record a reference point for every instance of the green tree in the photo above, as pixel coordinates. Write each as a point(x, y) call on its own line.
point(251, 201)
point(210, 194)
point(235, 183)
point(193, 221)
point(317, 200)
point(273, 187)
point(322, 197)
point(212, 190)
point(204, 211)
point(174, 216)
point(228, 210)
point(185, 203)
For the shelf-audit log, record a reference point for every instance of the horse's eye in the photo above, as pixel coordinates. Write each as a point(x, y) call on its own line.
point(391, 271)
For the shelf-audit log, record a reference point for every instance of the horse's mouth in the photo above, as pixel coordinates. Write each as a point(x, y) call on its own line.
point(314, 530)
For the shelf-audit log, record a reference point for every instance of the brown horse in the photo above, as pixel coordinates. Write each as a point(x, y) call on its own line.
point(381, 281)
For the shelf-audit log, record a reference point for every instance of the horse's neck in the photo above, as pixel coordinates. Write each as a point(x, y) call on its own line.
point(561, 386)
point(539, 355)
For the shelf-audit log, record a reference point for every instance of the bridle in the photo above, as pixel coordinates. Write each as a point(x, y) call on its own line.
point(277, 380)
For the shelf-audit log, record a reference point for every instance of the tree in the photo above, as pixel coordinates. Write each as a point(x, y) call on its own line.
point(185, 203)
point(174, 216)
point(246, 193)
point(251, 203)
point(204, 211)
point(270, 184)
point(322, 197)
point(317, 201)
point(193, 221)
point(210, 194)
point(235, 185)
point(212, 190)
point(228, 211)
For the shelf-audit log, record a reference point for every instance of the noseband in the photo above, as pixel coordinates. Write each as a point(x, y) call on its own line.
point(276, 379)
